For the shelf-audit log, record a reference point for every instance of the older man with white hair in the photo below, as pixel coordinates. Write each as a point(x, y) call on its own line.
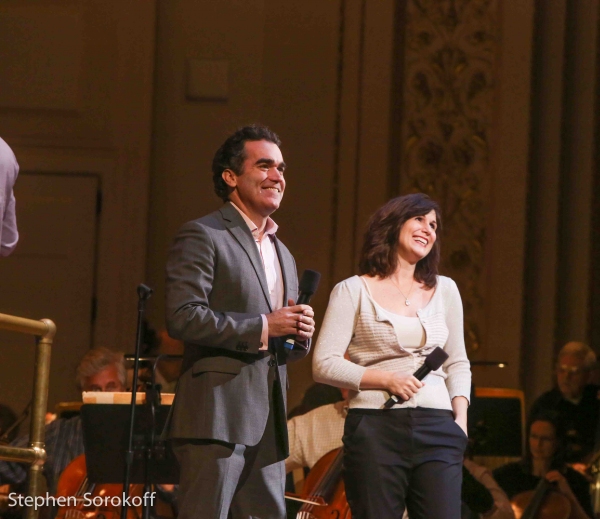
point(100, 369)
point(574, 399)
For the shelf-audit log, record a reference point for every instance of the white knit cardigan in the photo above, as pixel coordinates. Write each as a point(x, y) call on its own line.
point(354, 322)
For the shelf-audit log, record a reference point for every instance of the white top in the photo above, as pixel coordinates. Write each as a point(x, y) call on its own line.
point(354, 322)
point(409, 330)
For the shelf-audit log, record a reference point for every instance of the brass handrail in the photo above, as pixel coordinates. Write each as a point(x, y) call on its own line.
point(35, 454)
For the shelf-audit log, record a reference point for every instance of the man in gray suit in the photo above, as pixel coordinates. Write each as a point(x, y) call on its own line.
point(231, 287)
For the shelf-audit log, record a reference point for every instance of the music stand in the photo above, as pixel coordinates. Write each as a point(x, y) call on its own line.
point(106, 436)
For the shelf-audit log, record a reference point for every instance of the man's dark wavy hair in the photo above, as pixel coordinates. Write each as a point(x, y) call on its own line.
point(231, 154)
point(379, 255)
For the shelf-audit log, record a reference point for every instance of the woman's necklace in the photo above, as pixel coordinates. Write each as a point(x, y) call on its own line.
point(406, 301)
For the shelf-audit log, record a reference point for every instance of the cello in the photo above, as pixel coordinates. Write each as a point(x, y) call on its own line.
point(324, 495)
point(74, 485)
point(542, 503)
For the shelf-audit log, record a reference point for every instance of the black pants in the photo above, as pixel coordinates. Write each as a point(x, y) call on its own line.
point(403, 458)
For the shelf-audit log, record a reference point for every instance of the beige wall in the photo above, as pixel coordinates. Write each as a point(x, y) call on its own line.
point(75, 98)
point(322, 75)
point(283, 73)
point(319, 74)
point(106, 92)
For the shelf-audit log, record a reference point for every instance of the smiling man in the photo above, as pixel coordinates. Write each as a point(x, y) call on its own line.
point(231, 287)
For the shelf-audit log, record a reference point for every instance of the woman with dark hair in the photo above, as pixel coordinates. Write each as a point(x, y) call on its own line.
point(545, 458)
point(388, 320)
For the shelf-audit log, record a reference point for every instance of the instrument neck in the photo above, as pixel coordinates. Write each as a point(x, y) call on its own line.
point(540, 467)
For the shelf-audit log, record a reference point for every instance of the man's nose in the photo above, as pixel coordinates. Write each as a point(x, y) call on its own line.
point(275, 174)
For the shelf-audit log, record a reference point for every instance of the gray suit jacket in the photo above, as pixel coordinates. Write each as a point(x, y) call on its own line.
point(216, 293)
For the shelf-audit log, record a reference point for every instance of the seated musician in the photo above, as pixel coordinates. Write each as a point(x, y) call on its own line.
point(100, 369)
point(574, 399)
point(545, 457)
point(319, 431)
point(316, 432)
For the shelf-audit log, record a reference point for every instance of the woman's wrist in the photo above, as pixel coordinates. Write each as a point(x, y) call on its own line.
point(376, 379)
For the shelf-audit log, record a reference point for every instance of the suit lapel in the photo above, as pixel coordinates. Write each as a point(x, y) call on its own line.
point(239, 230)
point(283, 270)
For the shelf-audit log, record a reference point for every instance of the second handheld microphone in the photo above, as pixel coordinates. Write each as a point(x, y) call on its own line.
point(432, 362)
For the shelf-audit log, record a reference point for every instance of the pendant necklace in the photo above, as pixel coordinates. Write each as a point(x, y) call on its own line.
point(406, 301)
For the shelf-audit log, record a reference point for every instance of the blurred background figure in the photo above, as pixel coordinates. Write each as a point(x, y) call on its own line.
point(7, 421)
point(100, 369)
point(168, 370)
point(574, 400)
point(316, 395)
point(545, 458)
point(9, 170)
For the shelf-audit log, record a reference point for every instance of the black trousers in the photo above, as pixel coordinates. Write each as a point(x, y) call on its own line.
point(401, 459)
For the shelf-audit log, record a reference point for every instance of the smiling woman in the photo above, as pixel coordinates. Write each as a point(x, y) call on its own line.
point(387, 321)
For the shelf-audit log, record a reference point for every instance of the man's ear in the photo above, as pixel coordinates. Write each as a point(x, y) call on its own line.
point(230, 178)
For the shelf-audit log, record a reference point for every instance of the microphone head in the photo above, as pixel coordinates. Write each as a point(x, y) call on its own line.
point(436, 358)
point(144, 292)
point(309, 281)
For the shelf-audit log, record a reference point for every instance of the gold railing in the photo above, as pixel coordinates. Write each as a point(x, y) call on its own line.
point(35, 454)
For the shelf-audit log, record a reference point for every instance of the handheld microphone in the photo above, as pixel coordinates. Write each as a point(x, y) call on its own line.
point(432, 362)
point(307, 287)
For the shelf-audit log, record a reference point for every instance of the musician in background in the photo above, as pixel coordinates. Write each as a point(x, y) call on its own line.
point(545, 458)
point(574, 400)
point(8, 427)
point(315, 433)
point(167, 369)
point(100, 369)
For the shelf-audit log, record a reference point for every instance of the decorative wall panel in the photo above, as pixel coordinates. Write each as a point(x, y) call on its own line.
point(451, 49)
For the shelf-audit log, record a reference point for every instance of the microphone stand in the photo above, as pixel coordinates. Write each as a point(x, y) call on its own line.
point(153, 400)
point(144, 293)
